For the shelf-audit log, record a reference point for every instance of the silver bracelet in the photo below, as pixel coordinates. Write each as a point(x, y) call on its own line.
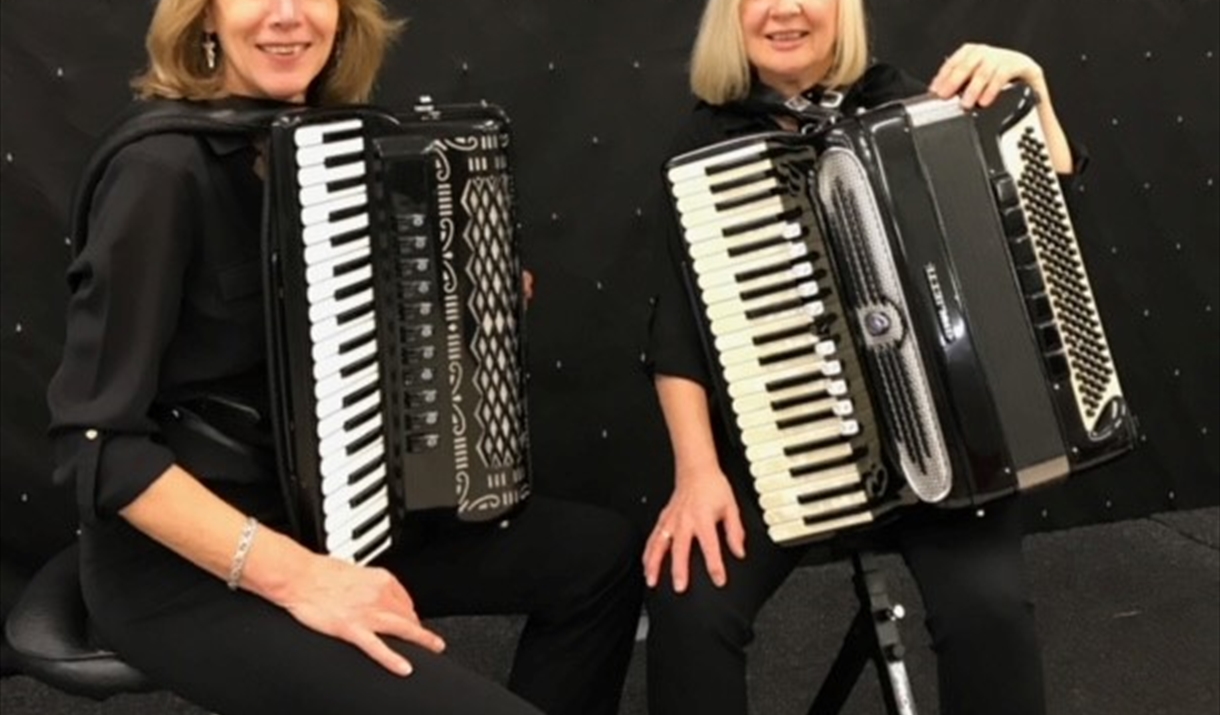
point(242, 553)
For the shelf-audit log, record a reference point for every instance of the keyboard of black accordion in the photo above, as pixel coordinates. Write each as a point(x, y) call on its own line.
point(748, 225)
point(334, 204)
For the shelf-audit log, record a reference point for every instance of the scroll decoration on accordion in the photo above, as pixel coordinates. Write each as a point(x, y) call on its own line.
point(395, 315)
point(898, 311)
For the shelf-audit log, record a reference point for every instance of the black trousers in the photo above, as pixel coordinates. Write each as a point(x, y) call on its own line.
point(574, 569)
point(970, 575)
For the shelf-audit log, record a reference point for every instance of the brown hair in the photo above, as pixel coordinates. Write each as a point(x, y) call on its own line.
point(177, 69)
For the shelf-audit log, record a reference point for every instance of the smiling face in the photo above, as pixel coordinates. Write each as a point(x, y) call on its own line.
point(790, 44)
point(273, 49)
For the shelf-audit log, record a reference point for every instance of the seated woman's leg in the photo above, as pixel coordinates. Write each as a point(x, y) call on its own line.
point(573, 568)
point(697, 639)
point(970, 573)
point(236, 654)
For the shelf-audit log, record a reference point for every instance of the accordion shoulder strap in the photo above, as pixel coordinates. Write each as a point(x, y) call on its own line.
point(151, 117)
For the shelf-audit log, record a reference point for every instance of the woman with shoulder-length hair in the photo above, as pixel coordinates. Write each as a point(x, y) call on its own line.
point(753, 61)
point(160, 416)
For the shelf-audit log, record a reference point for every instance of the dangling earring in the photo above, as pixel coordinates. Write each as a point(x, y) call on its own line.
point(209, 50)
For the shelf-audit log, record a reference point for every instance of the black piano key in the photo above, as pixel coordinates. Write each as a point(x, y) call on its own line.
point(373, 521)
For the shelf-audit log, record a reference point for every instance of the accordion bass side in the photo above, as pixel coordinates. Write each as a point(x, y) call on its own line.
point(932, 251)
point(395, 320)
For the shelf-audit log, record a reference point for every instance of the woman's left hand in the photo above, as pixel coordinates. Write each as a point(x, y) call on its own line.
point(979, 72)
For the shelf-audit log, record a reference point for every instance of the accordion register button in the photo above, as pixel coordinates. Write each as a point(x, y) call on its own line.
point(1022, 251)
point(421, 420)
point(1049, 338)
point(422, 442)
point(1039, 307)
point(1057, 365)
point(1013, 219)
point(1005, 190)
point(416, 398)
point(1031, 279)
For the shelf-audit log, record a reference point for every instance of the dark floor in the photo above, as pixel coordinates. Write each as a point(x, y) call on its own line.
point(1129, 615)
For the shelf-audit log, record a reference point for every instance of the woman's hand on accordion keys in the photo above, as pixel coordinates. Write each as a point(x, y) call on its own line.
point(701, 504)
point(358, 604)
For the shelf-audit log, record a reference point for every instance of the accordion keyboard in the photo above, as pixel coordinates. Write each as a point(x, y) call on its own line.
point(334, 205)
point(756, 257)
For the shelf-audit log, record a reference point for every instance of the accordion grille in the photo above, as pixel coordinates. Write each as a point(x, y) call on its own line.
point(874, 291)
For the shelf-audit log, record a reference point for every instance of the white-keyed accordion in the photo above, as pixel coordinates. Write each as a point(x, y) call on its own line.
point(395, 320)
point(898, 311)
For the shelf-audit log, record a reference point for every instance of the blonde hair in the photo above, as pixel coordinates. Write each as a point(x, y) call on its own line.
point(720, 67)
point(177, 68)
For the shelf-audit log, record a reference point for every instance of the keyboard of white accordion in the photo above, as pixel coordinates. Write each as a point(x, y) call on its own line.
point(351, 449)
point(790, 402)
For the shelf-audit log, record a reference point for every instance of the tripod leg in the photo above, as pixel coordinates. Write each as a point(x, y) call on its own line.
point(846, 669)
point(886, 639)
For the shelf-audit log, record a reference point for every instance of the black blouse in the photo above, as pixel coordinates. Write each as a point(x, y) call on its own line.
point(166, 306)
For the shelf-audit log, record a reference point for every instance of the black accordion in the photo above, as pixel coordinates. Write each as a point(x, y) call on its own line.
point(395, 315)
point(899, 311)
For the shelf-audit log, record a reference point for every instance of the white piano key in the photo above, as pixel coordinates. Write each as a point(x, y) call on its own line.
point(797, 530)
point(322, 213)
point(321, 258)
point(721, 214)
point(317, 192)
point(769, 415)
point(764, 400)
point(333, 422)
point(741, 372)
point(761, 330)
point(786, 273)
point(720, 268)
point(816, 431)
point(376, 542)
point(823, 433)
point(758, 353)
point(785, 464)
point(730, 307)
point(317, 292)
point(734, 323)
point(326, 231)
point(768, 209)
point(334, 382)
point(331, 307)
point(357, 329)
point(314, 134)
point(702, 184)
point(344, 540)
point(335, 445)
point(324, 368)
point(751, 386)
point(336, 468)
point(324, 329)
point(318, 153)
point(692, 169)
point(774, 489)
point(702, 201)
point(340, 499)
point(334, 402)
point(830, 505)
point(346, 517)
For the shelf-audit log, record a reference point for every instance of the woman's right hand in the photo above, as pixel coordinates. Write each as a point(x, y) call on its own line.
point(701, 504)
point(358, 604)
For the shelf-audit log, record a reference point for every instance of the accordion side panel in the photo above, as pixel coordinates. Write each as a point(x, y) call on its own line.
point(1096, 406)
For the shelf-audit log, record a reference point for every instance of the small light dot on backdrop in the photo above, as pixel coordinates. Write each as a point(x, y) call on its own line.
point(595, 140)
point(8, 156)
point(554, 217)
point(1177, 246)
point(1114, 250)
point(24, 497)
point(1084, 58)
point(635, 64)
point(465, 67)
point(1147, 313)
point(18, 328)
point(59, 71)
point(599, 285)
point(559, 364)
point(1148, 55)
point(605, 434)
point(1147, 186)
point(550, 66)
point(1114, 121)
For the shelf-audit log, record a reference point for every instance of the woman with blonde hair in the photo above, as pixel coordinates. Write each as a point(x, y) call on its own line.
point(756, 65)
point(187, 568)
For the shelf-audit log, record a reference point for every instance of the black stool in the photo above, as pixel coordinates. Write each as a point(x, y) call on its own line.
point(48, 630)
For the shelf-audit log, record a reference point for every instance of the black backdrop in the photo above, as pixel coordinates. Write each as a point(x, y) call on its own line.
point(595, 89)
